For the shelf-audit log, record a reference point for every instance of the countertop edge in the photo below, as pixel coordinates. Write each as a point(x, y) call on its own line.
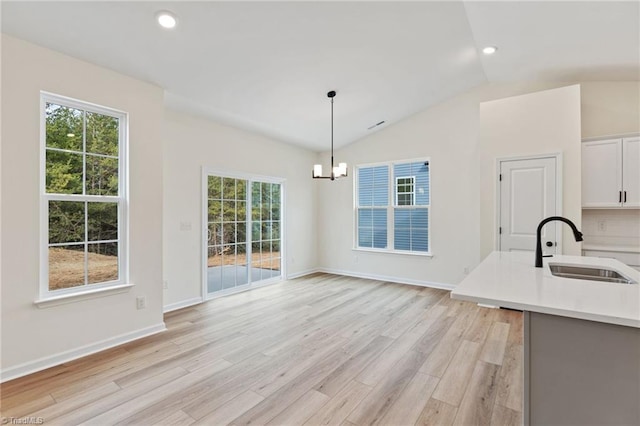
point(549, 311)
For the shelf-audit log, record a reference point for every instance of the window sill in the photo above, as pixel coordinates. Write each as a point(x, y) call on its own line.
point(76, 297)
point(400, 252)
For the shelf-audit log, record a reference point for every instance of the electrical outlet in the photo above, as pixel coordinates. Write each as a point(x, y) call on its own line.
point(466, 270)
point(602, 225)
point(141, 302)
point(185, 226)
point(165, 284)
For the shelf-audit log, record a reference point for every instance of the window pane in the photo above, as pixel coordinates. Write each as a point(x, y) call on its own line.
point(275, 265)
point(256, 262)
point(365, 218)
point(420, 230)
point(373, 186)
point(241, 232)
point(275, 248)
point(66, 221)
point(265, 207)
point(275, 193)
point(214, 256)
point(402, 229)
point(229, 270)
point(380, 238)
point(265, 248)
point(229, 188)
point(214, 234)
point(365, 237)
point(275, 203)
point(266, 230)
point(241, 188)
point(63, 127)
point(103, 221)
point(102, 134)
point(275, 230)
point(411, 229)
point(215, 211)
point(372, 228)
point(66, 266)
point(242, 273)
point(102, 262)
point(214, 272)
point(228, 211)
point(214, 184)
point(379, 219)
point(422, 184)
point(256, 231)
point(365, 186)
point(241, 211)
point(256, 200)
point(63, 172)
point(405, 199)
point(228, 255)
point(402, 239)
point(229, 233)
point(102, 175)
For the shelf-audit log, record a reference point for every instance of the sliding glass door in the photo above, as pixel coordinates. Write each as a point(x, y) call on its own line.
point(243, 233)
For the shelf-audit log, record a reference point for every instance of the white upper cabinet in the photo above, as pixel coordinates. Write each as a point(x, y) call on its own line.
point(610, 176)
point(631, 172)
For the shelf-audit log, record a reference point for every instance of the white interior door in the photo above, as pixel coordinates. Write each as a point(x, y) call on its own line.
point(528, 189)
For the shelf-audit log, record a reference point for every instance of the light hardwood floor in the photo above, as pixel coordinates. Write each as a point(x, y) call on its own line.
point(318, 350)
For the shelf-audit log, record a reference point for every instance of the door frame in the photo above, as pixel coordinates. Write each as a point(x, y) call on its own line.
point(498, 162)
point(206, 172)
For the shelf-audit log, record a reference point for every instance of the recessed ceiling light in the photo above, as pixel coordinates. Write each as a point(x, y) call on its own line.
point(489, 50)
point(166, 19)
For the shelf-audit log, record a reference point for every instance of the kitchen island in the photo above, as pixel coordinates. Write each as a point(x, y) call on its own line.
point(581, 337)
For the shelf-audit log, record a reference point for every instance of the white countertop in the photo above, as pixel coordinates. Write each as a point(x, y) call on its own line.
point(510, 280)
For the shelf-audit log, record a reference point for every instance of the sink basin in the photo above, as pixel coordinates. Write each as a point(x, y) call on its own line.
point(592, 273)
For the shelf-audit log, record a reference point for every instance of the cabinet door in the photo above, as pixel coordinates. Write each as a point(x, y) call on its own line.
point(631, 171)
point(602, 173)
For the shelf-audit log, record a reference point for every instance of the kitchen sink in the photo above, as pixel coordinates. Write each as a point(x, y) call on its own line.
point(592, 273)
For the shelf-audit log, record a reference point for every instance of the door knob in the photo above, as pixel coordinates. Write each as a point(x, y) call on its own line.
point(549, 244)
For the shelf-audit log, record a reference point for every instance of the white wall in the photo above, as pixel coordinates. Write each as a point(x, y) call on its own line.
point(33, 337)
point(449, 134)
point(537, 123)
point(191, 143)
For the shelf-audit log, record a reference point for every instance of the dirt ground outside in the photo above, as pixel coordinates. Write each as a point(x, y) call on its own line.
point(266, 261)
point(66, 268)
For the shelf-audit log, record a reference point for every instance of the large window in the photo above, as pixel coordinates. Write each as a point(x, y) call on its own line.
point(83, 196)
point(392, 206)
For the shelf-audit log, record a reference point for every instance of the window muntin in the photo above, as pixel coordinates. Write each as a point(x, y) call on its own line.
point(83, 196)
point(401, 226)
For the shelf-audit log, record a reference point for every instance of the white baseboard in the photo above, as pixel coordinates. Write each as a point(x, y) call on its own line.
point(398, 280)
point(303, 273)
point(182, 304)
point(62, 357)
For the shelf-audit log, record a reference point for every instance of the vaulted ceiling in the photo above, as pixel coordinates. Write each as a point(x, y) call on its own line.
point(267, 66)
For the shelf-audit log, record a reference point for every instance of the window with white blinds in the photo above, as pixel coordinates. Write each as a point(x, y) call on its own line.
point(392, 206)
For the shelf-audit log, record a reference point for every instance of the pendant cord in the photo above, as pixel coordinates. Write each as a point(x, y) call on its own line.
point(332, 136)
